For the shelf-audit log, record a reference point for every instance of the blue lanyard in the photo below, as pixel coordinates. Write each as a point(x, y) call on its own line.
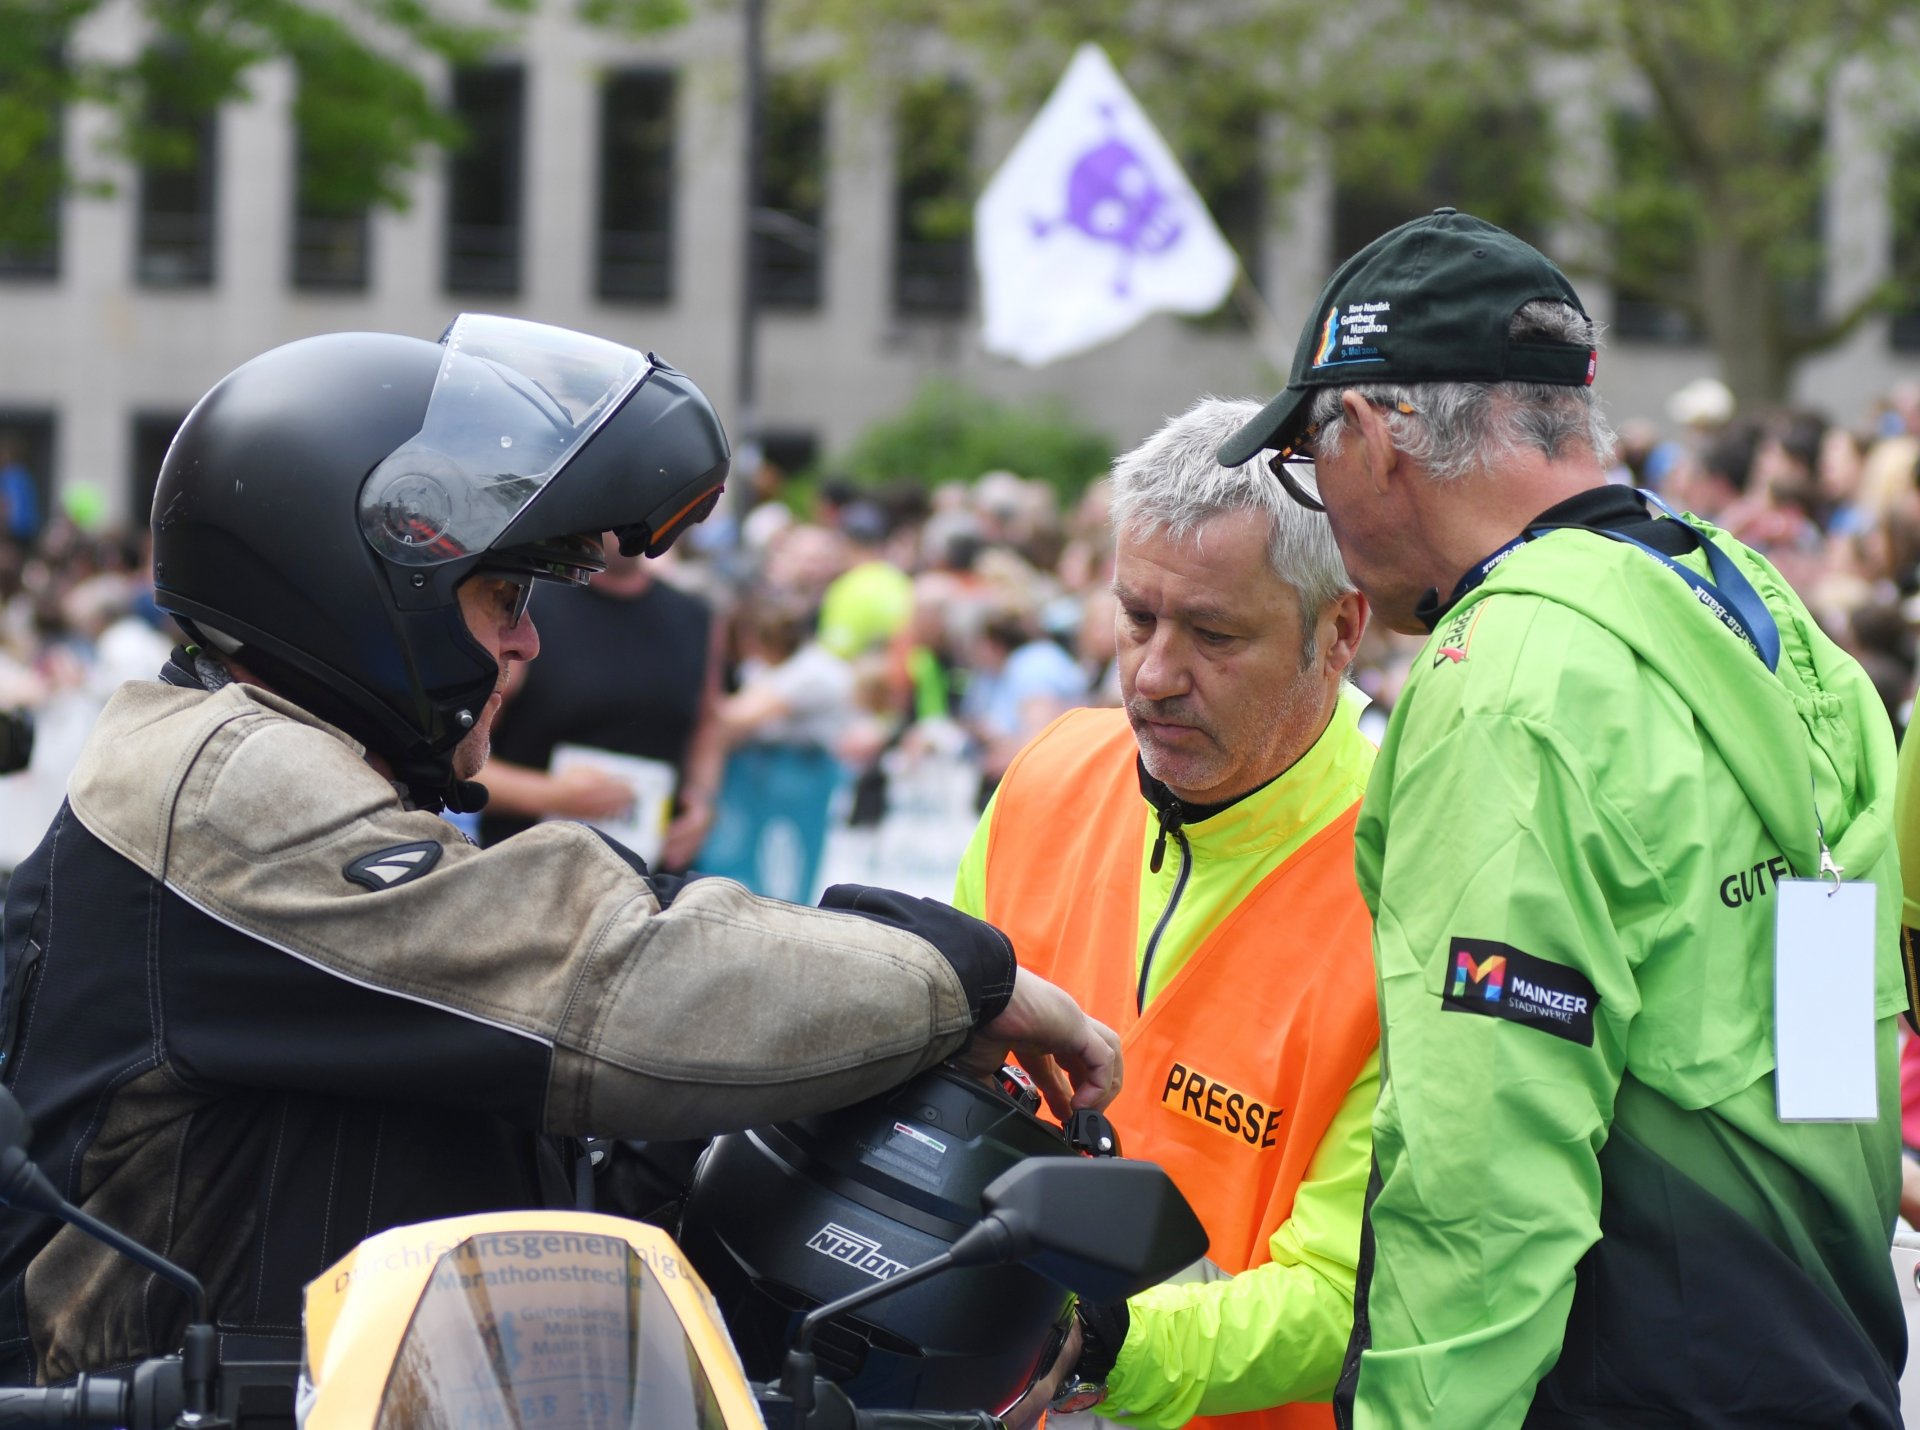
point(1733, 601)
point(1483, 570)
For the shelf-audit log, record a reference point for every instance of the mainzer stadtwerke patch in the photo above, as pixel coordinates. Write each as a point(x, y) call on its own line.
point(1497, 980)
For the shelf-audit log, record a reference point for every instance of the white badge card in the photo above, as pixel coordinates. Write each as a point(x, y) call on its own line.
point(643, 828)
point(1823, 1037)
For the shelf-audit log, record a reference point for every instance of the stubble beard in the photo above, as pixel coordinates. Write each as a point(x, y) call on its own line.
point(1205, 770)
point(470, 756)
point(1164, 764)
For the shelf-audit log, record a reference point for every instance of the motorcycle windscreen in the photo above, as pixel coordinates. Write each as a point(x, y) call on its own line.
point(519, 1330)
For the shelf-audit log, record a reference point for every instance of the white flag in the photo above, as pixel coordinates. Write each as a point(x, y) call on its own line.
point(1091, 225)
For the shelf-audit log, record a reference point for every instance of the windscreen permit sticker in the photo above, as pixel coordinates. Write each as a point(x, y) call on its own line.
point(910, 1154)
point(908, 1130)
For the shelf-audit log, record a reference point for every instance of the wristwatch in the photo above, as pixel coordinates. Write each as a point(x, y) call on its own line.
point(1103, 1330)
point(1077, 1395)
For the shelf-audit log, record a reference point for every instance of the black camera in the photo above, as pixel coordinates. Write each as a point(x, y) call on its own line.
point(16, 740)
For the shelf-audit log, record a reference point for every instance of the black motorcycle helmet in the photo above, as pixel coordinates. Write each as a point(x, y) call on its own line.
point(320, 505)
point(786, 1218)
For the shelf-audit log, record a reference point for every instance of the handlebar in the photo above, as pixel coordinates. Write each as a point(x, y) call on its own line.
point(251, 1395)
point(143, 1402)
point(831, 1410)
point(93, 1402)
point(926, 1420)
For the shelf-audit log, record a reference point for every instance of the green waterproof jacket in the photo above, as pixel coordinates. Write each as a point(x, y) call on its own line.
point(1585, 1209)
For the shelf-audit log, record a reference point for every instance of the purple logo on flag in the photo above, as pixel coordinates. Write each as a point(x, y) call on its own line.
point(1113, 197)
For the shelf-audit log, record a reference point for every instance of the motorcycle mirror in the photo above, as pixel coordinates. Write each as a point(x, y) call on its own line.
point(1102, 1227)
point(24, 1186)
point(15, 1130)
point(21, 1182)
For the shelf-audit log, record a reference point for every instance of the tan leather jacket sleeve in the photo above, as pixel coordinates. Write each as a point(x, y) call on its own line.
point(722, 1011)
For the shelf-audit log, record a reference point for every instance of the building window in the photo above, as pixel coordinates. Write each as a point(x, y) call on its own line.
point(484, 181)
point(1903, 204)
point(1658, 228)
point(152, 435)
point(1484, 160)
point(933, 199)
point(634, 258)
point(330, 250)
point(788, 234)
point(179, 164)
point(1796, 258)
point(30, 230)
point(1655, 234)
point(330, 235)
point(26, 473)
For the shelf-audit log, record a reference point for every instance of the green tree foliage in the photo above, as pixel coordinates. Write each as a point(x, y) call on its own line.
point(364, 113)
point(32, 89)
point(1709, 211)
point(949, 433)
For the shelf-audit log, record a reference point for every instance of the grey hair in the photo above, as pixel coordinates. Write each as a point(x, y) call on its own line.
point(1173, 482)
point(1462, 427)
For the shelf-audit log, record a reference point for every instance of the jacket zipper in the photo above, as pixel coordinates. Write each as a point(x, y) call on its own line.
point(1169, 824)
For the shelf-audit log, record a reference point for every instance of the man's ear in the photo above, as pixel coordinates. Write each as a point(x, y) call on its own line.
point(1343, 621)
point(1367, 430)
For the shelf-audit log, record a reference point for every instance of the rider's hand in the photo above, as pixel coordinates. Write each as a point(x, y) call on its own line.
point(687, 832)
point(584, 792)
point(1027, 1408)
point(1074, 1060)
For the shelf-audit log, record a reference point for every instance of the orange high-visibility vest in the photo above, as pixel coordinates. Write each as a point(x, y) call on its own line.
point(1237, 1068)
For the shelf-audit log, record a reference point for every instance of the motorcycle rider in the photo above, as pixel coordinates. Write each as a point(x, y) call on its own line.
point(261, 1001)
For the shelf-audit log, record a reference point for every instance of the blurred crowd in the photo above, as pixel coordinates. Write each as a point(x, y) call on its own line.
point(863, 626)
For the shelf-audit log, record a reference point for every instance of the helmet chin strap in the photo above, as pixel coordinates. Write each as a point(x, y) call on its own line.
point(467, 797)
point(432, 785)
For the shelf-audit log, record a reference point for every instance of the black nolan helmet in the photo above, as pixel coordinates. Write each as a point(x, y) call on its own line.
point(783, 1219)
point(318, 508)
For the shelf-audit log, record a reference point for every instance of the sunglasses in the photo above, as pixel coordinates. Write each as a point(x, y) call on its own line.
point(1292, 465)
point(522, 584)
point(1282, 465)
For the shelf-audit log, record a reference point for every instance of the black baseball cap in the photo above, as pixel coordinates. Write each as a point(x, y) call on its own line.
point(1429, 301)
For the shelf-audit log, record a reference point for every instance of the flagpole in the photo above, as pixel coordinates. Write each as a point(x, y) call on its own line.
point(747, 453)
point(1268, 336)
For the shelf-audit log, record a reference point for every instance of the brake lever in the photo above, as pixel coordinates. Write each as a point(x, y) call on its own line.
point(1091, 1133)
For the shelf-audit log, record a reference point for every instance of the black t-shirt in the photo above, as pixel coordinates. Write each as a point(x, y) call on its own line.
point(621, 673)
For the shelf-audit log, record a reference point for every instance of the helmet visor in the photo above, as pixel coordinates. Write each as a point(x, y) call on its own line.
point(511, 404)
